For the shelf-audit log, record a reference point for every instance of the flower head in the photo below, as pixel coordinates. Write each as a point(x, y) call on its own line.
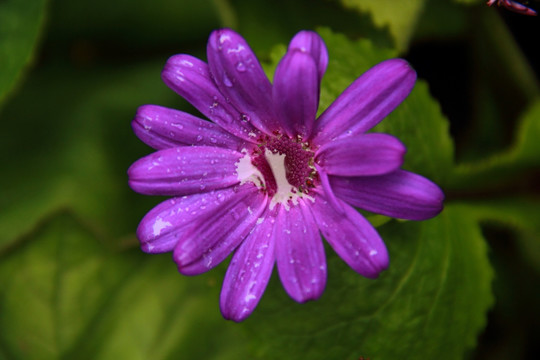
point(265, 178)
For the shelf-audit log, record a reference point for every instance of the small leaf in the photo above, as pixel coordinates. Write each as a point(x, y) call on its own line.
point(20, 25)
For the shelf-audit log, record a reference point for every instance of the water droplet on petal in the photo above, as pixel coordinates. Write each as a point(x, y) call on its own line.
point(240, 66)
point(199, 137)
point(226, 81)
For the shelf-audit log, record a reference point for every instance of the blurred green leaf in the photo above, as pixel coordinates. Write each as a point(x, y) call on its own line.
point(430, 304)
point(517, 213)
point(497, 101)
point(21, 22)
point(399, 16)
point(64, 295)
point(443, 21)
point(74, 145)
point(266, 23)
point(470, 2)
point(128, 25)
point(522, 156)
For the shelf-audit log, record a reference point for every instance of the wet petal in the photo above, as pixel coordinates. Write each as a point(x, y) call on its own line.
point(162, 128)
point(367, 101)
point(249, 271)
point(311, 43)
point(172, 219)
point(352, 237)
point(296, 93)
point(184, 170)
point(300, 254)
point(240, 77)
point(330, 196)
point(191, 79)
point(219, 232)
point(363, 155)
point(400, 194)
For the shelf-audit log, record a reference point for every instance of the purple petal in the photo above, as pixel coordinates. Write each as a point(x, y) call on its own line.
point(296, 93)
point(191, 79)
point(172, 219)
point(352, 237)
point(363, 155)
point(163, 128)
point(400, 194)
point(325, 182)
point(249, 271)
point(220, 231)
point(311, 43)
point(184, 170)
point(240, 77)
point(366, 101)
point(515, 7)
point(300, 255)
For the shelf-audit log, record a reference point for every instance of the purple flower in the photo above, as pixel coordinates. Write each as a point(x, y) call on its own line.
point(513, 6)
point(265, 177)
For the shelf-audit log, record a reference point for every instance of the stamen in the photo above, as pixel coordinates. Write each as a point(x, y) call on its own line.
point(281, 167)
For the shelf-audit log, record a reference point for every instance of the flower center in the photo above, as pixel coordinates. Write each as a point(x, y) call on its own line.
point(281, 166)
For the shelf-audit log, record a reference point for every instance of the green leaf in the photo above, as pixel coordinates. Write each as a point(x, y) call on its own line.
point(430, 304)
point(75, 150)
point(441, 21)
point(514, 163)
point(470, 2)
point(497, 101)
point(266, 23)
point(64, 295)
point(399, 16)
point(20, 25)
point(126, 25)
point(418, 121)
point(516, 213)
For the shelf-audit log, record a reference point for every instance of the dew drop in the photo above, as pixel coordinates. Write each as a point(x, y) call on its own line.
point(240, 66)
point(226, 81)
point(199, 137)
point(213, 140)
point(202, 187)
